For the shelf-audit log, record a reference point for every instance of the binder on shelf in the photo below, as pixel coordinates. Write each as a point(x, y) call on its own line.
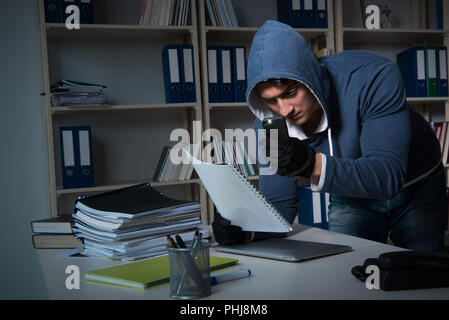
point(86, 11)
point(434, 16)
point(313, 208)
point(431, 72)
point(53, 11)
point(69, 156)
point(239, 73)
point(321, 13)
point(412, 63)
point(225, 74)
point(297, 13)
point(212, 74)
point(291, 12)
point(442, 71)
point(309, 15)
point(172, 74)
point(283, 11)
point(86, 168)
point(188, 73)
point(439, 9)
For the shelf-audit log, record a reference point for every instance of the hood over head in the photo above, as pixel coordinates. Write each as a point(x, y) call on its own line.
point(278, 51)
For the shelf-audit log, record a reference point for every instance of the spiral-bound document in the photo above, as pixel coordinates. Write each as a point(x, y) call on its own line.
point(238, 200)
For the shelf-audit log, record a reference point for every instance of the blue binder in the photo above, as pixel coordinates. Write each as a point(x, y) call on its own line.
point(440, 21)
point(212, 73)
point(321, 13)
point(442, 71)
point(225, 74)
point(412, 63)
point(53, 11)
point(297, 13)
point(188, 73)
point(312, 208)
point(291, 12)
point(239, 73)
point(172, 74)
point(86, 11)
point(69, 156)
point(85, 161)
point(283, 11)
point(309, 16)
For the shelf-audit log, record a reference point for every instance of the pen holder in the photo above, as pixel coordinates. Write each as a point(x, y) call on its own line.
point(189, 272)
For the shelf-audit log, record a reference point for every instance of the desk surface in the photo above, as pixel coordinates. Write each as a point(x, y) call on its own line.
point(324, 278)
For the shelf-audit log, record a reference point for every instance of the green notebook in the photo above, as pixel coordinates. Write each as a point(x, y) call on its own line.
point(145, 273)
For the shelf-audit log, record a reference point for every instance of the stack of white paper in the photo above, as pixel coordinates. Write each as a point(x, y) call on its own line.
point(132, 223)
point(75, 93)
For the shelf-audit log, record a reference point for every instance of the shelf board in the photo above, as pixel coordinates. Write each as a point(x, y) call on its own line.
point(228, 105)
point(111, 31)
point(109, 108)
point(390, 36)
point(243, 34)
point(106, 188)
point(427, 100)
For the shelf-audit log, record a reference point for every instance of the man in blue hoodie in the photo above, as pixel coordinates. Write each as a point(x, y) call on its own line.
point(353, 134)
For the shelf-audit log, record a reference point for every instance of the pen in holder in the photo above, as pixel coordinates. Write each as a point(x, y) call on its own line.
point(189, 272)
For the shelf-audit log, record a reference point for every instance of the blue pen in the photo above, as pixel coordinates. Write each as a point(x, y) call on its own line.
point(242, 273)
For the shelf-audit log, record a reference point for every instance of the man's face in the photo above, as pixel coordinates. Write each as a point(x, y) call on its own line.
point(294, 101)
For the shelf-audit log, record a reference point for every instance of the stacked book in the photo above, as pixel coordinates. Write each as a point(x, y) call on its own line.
point(233, 152)
point(76, 93)
point(160, 13)
point(54, 233)
point(132, 223)
point(221, 13)
point(167, 170)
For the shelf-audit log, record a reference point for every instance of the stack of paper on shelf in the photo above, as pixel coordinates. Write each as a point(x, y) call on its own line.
point(76, 93)
point(54, 233)
point(132, 223)
point(165, 13)
point(221, 13)
point(167, 170)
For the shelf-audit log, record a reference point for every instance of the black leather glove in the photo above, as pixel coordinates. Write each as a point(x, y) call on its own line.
point(225, 233)
point(296, 158)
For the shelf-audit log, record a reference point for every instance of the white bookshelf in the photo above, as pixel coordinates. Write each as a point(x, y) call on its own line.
point(127, 134)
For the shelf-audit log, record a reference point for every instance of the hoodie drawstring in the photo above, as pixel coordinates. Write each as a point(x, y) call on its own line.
point(329, 137)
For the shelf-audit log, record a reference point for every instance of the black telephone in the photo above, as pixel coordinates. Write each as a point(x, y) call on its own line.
point(278, 123)
point(403, 270)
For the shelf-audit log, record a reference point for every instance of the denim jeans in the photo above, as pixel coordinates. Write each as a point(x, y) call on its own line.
point(415, 218)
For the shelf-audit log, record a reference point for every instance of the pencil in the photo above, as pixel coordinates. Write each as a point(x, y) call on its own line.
point(171, 243)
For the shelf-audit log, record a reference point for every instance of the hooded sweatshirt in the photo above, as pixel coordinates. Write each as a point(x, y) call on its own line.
point(373, 145)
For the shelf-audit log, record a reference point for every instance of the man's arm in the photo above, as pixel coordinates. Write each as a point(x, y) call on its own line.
point(380, 171)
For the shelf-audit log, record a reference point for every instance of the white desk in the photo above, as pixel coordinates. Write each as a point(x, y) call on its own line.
point(324, 278)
